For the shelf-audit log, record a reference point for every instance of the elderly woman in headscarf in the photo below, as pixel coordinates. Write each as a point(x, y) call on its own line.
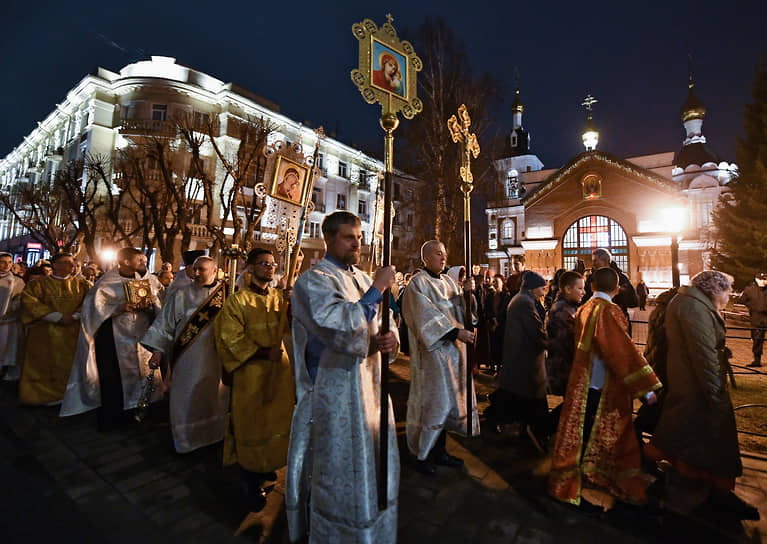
point(696, 434)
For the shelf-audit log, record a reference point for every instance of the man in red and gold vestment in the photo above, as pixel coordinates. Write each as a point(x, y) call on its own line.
point(596, 447)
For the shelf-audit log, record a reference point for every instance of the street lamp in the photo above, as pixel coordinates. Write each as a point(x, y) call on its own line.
point(674, 221)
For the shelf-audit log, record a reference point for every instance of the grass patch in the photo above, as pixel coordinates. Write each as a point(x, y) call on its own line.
point(751, 389)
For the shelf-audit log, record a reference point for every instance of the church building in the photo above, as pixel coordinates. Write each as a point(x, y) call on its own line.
point(643, 209)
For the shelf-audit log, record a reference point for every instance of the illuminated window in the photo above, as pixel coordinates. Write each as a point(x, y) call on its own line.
point(507, 230)
point(593, 231)
point(342, 169)
point(159, 112)
point(340, 202)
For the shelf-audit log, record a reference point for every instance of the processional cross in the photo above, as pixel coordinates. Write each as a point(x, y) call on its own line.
point(459, 132)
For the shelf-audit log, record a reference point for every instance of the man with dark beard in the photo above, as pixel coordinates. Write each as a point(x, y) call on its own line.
point(110, 365)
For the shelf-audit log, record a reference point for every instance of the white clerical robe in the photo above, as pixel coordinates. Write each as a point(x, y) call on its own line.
point(180, 281)
point(11, 331)
point(83, 391)
point(334, 444)
point(432, 307)
point(198, 399)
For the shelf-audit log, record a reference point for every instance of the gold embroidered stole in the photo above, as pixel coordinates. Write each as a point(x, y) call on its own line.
point(201, 318)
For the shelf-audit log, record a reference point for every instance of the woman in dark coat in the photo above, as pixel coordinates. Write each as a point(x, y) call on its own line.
point(696, 432)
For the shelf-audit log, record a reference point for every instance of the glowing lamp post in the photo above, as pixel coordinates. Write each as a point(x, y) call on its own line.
point(108, 256)
point(674, 221)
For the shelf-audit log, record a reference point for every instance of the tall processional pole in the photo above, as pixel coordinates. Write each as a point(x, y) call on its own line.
point(459, 132)
point(387, 75)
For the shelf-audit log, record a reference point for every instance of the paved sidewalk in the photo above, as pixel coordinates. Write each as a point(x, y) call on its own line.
point(65, 482)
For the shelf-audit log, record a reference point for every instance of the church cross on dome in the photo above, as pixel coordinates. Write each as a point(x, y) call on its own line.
point(588, 102)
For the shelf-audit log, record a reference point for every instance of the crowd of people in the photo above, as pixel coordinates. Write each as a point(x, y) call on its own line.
point(115, 341)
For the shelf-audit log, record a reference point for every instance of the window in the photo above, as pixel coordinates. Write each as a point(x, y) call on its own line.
point(314, 230)
point(397, 191)
point(340, 202)
point(512, 185)
point(514, 140)
point(363, 178)
point(321, 160)
point(342, 169)
point(410, 220)
point(201, 119)
point(593, 231)
point(395, 242)
point(159, 112)
point(507, 230)
point(362, 207)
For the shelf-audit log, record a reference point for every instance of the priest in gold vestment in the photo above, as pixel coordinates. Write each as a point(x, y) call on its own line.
point(249, 330)
point(596, 453)
point(50, 308)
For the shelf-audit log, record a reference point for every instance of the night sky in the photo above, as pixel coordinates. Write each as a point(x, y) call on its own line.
point(631, 55)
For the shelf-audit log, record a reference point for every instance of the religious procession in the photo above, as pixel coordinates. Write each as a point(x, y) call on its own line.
point(349, 395)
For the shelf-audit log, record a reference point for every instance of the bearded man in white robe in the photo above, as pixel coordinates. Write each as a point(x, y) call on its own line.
point(334, 441)
point(433, 308)
point(111, 367)
point(183, 335)
point(11, 331)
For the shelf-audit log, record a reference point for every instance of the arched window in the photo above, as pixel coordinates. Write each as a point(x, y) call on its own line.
point(591, 232)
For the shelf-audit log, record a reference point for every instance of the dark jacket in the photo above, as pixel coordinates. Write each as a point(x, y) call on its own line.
point(642, 292)
point(560, 325)
point(524, 345)
point(626, 297)
point(697, 423)
point(755, 299)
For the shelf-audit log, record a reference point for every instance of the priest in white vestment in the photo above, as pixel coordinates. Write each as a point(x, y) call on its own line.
point(183, 335)
point(433, 308)
point(110, 366)
point(11, 331)
point(185, 276)
point(334, 443)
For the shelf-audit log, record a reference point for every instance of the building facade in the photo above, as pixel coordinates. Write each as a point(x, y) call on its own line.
point(635, 207)
point(101, 114)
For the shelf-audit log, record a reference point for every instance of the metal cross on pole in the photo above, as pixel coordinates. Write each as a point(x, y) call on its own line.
point(459, 131)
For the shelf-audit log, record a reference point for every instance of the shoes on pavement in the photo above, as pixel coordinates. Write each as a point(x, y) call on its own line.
point(538, 441)
point(444, 459)
point(426, 467)
point(755, 364)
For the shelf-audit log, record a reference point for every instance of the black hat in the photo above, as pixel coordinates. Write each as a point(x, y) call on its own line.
point(531, 280)
point(190, 256)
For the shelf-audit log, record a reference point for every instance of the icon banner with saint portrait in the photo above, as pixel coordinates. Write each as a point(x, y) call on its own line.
point(389, 69)
point(289, 181)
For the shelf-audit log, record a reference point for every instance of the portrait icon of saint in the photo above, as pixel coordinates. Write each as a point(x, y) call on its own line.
point(290, 185)
point(388, 70)
point(288, 181)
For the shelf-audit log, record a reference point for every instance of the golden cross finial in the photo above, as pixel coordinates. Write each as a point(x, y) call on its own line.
point(589, 101)
point(320, 132)
point(389, 18)
point(459, 132)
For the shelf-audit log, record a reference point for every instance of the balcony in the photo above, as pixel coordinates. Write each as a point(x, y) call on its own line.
point(199, 231)
point(364, 185)
point(147, 127)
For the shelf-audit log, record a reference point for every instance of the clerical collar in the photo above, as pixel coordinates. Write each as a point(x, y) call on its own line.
point(61, 278)
point(258, 290)
point(210, 285)
point(432, 274)
point(338, 263)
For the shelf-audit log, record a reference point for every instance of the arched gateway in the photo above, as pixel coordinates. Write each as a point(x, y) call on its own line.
point(591, 232)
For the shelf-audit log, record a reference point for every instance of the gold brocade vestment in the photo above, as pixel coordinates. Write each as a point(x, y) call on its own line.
point(263, 392)
point(50, 346)
point(610, 460)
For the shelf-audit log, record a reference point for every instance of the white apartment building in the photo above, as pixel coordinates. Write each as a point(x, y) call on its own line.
point(105, 108)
